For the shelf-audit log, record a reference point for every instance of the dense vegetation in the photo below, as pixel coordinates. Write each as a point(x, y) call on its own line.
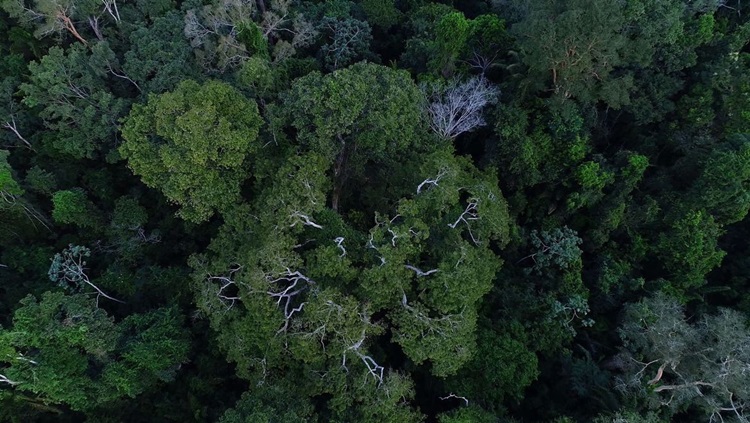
point(374, 211)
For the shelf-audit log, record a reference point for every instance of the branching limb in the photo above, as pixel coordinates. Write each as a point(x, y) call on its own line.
point(434, 181)
point(285, 288)
point(123, 76)
point(340, 243)
point(304, 219)
point(225, 284)
point(4, 379)
point(68, 267)
point(11, 126)
point(374, 369)
point(111, 7)
point(458, 108)
point(469, 214)
point(419, 272)
point(452, 395)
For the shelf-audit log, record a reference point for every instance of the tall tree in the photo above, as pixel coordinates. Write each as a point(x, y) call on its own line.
point(195, 144)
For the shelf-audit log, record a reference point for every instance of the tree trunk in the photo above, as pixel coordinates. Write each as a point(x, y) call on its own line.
point(339, 173)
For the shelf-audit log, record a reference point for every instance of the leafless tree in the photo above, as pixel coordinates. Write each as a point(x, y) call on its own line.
point(457, 107)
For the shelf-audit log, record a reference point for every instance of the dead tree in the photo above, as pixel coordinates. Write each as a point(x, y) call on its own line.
point(457, 107)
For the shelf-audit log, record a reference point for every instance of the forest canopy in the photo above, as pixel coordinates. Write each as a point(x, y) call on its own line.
point(502, 211)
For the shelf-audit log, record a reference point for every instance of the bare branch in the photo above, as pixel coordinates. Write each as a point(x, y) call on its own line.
point(11, 126)
point(340, 243)
point(304, 219)
point(226, 283)
point(469, 214)
point(419, 272)
point(111, 7)
point(4, 379)
point(285, 288)
point(452, 395)
point(434, 181)
point(373, 367)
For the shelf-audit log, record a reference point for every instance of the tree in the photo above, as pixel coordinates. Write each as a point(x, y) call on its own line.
point(690, 250)
point(12, 115)
point(722, 186)
point(14, 208)
point(68, 351)
point(457, 107)
point(72, 207)
point(354, 117)
point(194, 144)
point(226, 33)
point(575, 45)
point(76, 104)
point(51, 16)
point(348, 40)
point(160, 56)
point(674, 363)
point(68, 270)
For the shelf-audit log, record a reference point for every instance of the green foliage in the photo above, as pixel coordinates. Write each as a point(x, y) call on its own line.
point(381, 13)
point(199, 157)
point(74, 101)
point(558, 247)
point(348, 41)
point(72, 207)
point(8, 185)
point(148, 65)
point(669, 365)
point(503, 367)
point(354, 260)
point(68, 351)
point(690, 250)
point(578, 49)
point(40, 180)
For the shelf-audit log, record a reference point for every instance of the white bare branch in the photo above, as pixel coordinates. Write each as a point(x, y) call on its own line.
point(11, 126)
point(124, 76)
point(434, 181)
point(299, 217)
point(225, 284)
point(4, 379)
point(419, 272)
point(285, 288)
point(469, 214)
point(340, 243)
point(452, 395)
point(373, 367)
point(457, 108)
point(72, 270)
point(111, 7)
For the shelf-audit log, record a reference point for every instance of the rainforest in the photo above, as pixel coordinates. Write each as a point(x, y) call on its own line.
point(374, 211)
